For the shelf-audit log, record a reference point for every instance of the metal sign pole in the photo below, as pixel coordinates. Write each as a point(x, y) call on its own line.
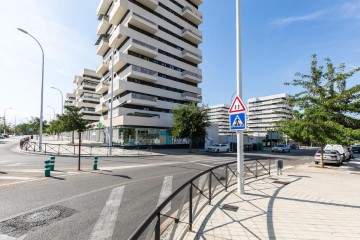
point(239, 134)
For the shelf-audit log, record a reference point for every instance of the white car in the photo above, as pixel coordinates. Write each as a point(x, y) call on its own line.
point(281, 148)
point(219, 148)
point(344, 152)
point(330, 156)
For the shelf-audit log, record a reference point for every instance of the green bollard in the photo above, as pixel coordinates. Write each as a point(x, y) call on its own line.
point(52, 163)
point(47, 168)
point(95, 162)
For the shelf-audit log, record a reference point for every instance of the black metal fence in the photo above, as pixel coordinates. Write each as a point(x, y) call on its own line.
point(86, 150)
point(176, 214)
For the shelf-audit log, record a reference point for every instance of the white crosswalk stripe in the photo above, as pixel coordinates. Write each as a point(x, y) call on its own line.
point(104, 227)
point(165, 192)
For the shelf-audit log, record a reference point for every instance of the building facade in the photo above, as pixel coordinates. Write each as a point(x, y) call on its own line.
point(85, 97)
point(151, 49)
point(70, 100)
point(264, 112)
point(218, 114)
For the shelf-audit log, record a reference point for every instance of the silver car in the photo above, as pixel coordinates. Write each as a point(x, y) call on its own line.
point(281, 148)
point(330, 156)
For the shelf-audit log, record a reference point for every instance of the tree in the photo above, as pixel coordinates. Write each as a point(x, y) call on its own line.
point(325, 111)
point(191, 122)
point(72, 121)
point(56, 126)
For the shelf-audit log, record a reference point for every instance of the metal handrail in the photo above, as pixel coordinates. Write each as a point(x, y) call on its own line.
point(157, 212)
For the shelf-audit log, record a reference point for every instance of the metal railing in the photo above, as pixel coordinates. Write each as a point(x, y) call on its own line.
point(86, 149)
point(190, 199)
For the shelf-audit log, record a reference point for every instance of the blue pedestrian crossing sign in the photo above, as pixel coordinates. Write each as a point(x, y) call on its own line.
point(238, 121)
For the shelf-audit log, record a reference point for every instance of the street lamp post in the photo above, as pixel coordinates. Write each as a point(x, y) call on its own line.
point(53, 111)
point(112, 98)
point(62, 99)
point(42, 88)
point(240, 136)
point(5, 118)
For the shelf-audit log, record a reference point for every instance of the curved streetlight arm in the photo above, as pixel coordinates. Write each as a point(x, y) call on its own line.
point(42, 87)
point(62, 99)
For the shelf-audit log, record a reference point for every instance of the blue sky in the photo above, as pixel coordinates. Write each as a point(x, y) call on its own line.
point(278, 38)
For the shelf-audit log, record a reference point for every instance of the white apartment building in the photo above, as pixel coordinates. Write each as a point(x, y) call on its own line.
point(85, 97)
point(70, 100)
point(264, 112)
point(218, 114)
point(155, 65)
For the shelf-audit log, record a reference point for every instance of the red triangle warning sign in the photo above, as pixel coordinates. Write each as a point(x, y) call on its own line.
point(237, 106)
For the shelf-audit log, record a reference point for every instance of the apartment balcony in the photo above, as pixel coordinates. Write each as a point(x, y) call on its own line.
point(141, 73)
point(103, 7)
point(143, 23)
point(102, 47)
point(192, 14)
point(102, 107)
point(117, 11)
point(102, 68)
point(141, 48)
point(192, 57)
point(118, 62)
point(196, 2)
point(192, 36)
point(138, 99)
point(191, 77)
point(103, 25)
point(69, 103)
point(152, 4)
point(102, 87)
point(116, 38)
point(188, 96)
point(78, 79)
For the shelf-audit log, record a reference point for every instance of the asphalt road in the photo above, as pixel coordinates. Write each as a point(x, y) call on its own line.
point(80, 200)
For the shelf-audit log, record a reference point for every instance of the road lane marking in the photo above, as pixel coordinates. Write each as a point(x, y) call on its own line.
point(105, 225)
point(91, 192)
point(165, 192)
point(5, 237)
point(15, 178)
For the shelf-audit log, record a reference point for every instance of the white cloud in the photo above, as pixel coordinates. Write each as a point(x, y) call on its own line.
point(351, 9)
point(293, 19)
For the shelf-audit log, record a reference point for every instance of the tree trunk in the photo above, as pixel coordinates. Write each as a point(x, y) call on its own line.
point(322, 156)
point(79, 150)
point(190, 146)
point(72, 136)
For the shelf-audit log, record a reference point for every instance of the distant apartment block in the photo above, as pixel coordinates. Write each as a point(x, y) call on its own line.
point(151, 46)
point(264, 112)
point(70, 100)
point(85, 97)
point(218, 114)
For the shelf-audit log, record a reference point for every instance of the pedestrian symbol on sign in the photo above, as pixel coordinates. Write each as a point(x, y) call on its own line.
point(237, 122)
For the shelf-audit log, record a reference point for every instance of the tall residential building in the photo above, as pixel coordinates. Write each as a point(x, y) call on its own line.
point(86, 98)
point(70, 100)
point(264, 112)
point(155, 65)
point(218, 114)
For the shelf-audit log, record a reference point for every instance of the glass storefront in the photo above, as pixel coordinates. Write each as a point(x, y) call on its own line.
point(142, 136)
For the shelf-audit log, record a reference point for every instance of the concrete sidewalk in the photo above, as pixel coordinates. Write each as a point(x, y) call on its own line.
point(306, 202)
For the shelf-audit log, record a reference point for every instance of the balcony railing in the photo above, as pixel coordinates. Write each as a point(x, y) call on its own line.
point(143, 97)
point(197, 13)
point(191, 74)
point(193, 32)
point(143, 18)
point(144, 70)
point(144, 44)
point(186, 51)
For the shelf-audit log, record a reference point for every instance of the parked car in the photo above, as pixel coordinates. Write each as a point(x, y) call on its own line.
point(351, 153)
point(5, 135)
point(344, 152)
point(330, 156)
point(355, 148)
point(1, 136)
point(294, 146)
point(281, 148)
point(219, 148)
